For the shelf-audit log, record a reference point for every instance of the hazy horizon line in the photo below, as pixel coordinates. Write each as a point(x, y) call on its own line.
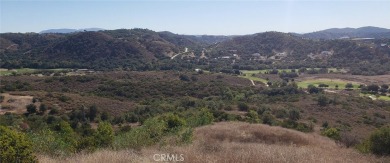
point(65, 28)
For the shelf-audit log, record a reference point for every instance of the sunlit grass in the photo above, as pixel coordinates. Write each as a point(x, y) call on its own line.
point(379, 97)
point(334, 70)
point(6, 72)
point(331, 82)
point(248, 75)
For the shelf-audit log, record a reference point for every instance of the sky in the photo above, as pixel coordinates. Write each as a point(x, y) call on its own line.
point(215, 17)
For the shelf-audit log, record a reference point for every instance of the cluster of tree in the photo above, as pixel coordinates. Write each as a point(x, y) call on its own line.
point(14, 86)
point(375, 89)
point(70, 133)
point(287, 75)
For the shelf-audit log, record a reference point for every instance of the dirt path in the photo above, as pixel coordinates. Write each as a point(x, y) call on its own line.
point(253, 83)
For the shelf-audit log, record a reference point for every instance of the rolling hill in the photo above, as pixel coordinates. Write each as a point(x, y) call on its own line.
point(141, 49)
point(337, 33)
point(66, 30)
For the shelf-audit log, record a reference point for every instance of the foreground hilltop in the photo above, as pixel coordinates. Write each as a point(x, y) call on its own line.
point(237, 142)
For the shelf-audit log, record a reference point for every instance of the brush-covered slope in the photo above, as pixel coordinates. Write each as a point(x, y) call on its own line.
point(104, 49)
point(238, 142)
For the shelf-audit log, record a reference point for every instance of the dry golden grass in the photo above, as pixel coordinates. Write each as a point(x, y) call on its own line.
point(233, 142)
point(15, 102)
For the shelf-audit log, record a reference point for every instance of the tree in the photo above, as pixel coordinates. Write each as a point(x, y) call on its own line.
point(104, 134)
point(243, 106)
point(92, 112)
point(313, 89)
point(322, 100)
point(348, 86)
point(253, 117)
point(373, 88)
point(31, 109)
point(294, 115)
point(42, 108)
point(14, 147)
point(323, 85)
point(184, 77)
point(173, 121)
point(205, 117)
point(380, 141)
point(104, 116)
point(385, 86)
point(267, 118)
point(332, 133)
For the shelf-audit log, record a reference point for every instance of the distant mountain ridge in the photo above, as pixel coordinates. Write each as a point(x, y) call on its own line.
point(337, 33)
point(143, 49)
point(67, 30)
point(331, 33)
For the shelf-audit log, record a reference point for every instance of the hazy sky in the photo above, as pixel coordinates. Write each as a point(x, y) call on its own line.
point(193, 17)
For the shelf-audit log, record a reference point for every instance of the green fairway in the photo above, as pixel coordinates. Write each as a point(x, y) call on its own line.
point(386, 98)
point(264, 71)
point(17, 71)
point(248, 75)
point(331, 82)
point(253, 71)
point(334, 70)
point(5, 72)
point(380, 97)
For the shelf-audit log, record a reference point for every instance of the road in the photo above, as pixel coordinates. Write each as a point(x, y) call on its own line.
point(185, 51)
point(253, 83)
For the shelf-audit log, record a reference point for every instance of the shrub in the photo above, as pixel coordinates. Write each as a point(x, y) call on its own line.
point(348, 139)
point(187, 135)
point(243, 106)
point(42, 108)
point(149, 133)
point(104, 134)
point(332, 133)
point(64, 98)
point(253, 117)
point(268, 118)
point(14, 147)
point(184, 77)
point(31, 109)
point(280, 113)
point(325, 124)
point(323, 85)
point(348, 86)
point(322, 100)
point(205, 117)
point(380, 141)
point(313, 89)
point(173, 121)
point(92, 112)
point(53, 111)
point(53, 143)
point(294, 115)
point(303, 127)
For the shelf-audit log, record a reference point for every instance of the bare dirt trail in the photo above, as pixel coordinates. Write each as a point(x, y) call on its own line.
point(253, 83)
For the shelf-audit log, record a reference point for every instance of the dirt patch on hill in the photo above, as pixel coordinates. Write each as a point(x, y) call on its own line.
point(14, 103)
